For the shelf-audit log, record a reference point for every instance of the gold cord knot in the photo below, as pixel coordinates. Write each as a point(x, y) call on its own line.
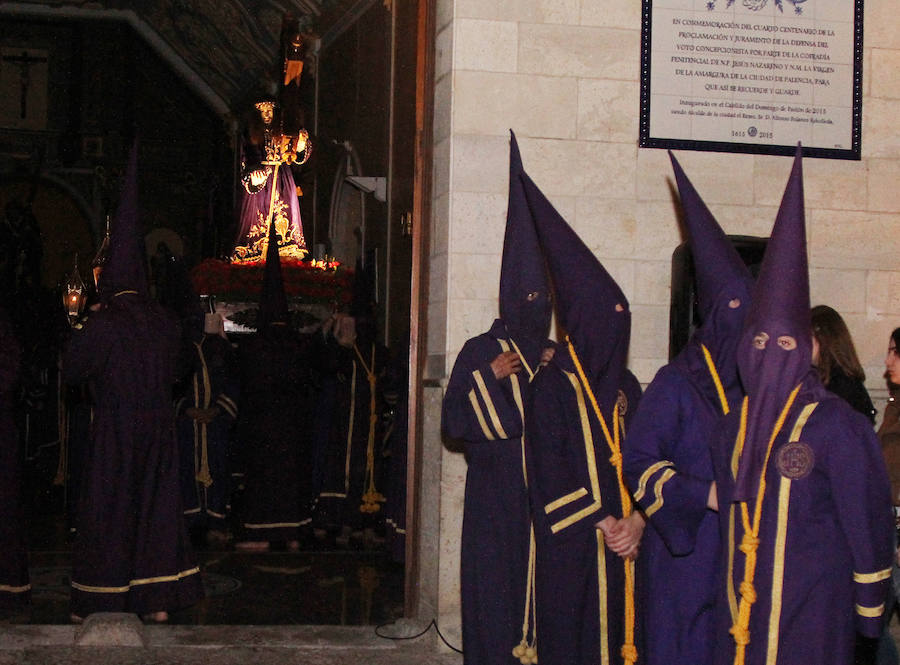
point(616, 459)
point(748, 592)
point(749, 544)
point(741, 635)
point(629, 653)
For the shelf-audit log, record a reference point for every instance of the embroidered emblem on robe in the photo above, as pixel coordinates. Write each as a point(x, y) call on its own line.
point(795, 460)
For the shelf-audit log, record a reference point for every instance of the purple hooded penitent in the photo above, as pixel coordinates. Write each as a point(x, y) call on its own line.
point(774, 353)
point(496, 525)
point(572, 482)
point(525, 302)
point(807, 556)
point(668, 451)
point(125, 269)
point(272, 301)
point(132, 552)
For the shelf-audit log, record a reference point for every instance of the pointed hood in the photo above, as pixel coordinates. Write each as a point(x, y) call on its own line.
point(775, 349)
point(590, 305)
point(125, 269)
point(272, 300)
point(525, 302)
point(723, 287)
point(176, 292)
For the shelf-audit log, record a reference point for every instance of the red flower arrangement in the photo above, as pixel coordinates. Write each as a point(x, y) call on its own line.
point(308, 282)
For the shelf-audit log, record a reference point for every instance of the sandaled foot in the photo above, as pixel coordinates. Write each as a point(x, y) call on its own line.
point(74, 618)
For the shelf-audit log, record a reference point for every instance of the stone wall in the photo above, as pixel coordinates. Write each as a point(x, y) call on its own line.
point(564, 75)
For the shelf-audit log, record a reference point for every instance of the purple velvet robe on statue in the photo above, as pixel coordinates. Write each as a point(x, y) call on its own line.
point(132, 552)
point(484, 412)
point(14, 586)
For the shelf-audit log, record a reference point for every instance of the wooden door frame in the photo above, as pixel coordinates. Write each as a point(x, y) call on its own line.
point(424, 144)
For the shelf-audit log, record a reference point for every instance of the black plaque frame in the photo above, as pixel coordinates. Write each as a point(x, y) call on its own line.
point(648, 141)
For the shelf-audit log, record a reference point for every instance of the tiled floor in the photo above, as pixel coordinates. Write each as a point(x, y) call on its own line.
point(319, 585)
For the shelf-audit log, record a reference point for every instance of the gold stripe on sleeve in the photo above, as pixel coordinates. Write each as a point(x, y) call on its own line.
point(480, 416)
point(492, 412)
point(784, 500)
point(870, 612)
point(871, 578)
point(15, 589)
point(574, 517)
point(645, 477)
point(657, 491)
point(562, 501)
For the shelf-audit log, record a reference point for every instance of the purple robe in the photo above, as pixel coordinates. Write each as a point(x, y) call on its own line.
point(669, 470)
point(274, 435)
point(346, 403)
point(15, 589)
point(487, 415)
point(205, 447)
point(825, 552)
point(131, 553)
point(580, 583)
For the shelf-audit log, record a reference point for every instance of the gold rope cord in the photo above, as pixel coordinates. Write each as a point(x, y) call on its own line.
point(720, 389)
point(750, 540)
point(629, 651)
point(372, 497)
point(526, 650)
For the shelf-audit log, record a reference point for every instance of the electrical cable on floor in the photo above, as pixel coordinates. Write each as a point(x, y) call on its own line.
point(412, 637)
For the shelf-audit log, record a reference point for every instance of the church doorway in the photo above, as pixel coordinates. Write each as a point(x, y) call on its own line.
point(374, 99)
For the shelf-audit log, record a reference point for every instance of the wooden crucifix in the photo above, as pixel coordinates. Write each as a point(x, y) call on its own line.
point(24, 62)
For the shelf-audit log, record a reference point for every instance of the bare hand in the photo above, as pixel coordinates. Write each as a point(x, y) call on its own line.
point(345, 330)
point(606, 524)
point(712, 501)
point(208, 415)
point(624, 538)
point(547, 355)
point(505, 364)
point(204, 416)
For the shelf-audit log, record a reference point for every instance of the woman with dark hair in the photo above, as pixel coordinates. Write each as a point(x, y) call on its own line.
point(835, 359)
point(889, 432)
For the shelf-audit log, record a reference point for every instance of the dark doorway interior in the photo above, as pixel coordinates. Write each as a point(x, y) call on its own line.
point(102, 82)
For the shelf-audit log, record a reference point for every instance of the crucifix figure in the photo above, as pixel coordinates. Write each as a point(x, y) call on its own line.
point(24, 62)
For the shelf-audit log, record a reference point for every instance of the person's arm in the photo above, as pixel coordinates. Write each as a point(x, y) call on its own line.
point(861, 491)
point(565, 488)
point(673, 500)
point(476, 408)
